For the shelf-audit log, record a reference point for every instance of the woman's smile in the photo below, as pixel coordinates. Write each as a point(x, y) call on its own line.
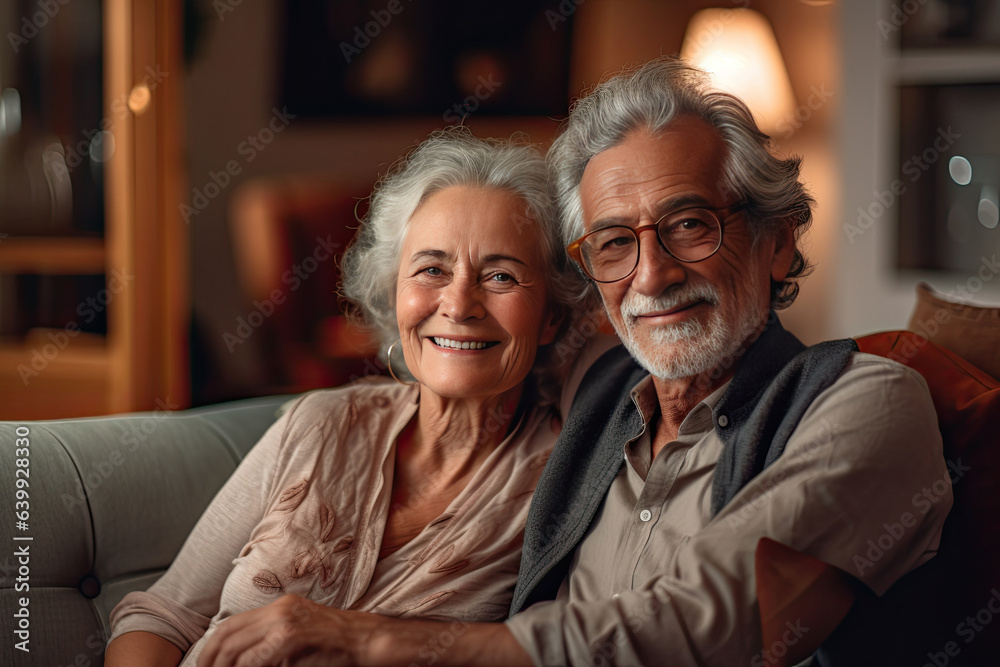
point(472, 293)
point(455, 344)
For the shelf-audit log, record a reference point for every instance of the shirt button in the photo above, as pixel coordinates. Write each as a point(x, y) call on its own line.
point(645, 515)
point(723, 421)
point(615, 596)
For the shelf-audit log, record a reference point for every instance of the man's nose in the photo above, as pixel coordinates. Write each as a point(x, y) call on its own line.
point(462, 300)
point(657, 269)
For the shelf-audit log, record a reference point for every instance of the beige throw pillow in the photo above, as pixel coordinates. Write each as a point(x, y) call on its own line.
point(972, 332)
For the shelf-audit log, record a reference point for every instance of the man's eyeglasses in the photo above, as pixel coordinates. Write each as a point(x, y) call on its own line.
point(693, 234)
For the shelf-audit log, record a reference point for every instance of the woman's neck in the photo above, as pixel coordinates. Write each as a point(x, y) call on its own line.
point(438, 454)
point(451, 434)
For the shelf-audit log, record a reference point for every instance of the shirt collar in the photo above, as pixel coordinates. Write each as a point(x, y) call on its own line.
point(697, 421)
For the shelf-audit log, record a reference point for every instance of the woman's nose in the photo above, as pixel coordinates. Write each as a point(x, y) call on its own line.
point(462, 300)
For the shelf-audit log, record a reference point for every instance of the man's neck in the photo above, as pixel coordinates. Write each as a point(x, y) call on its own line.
point(677, 398)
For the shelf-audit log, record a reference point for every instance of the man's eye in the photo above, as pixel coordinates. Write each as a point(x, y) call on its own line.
point(687, 226)
point(617, 241)
point(691, 224)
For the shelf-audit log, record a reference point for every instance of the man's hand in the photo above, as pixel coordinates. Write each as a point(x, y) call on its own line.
point(290, 630)
point(296, 631)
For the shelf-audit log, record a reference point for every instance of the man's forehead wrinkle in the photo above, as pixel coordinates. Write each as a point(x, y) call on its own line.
point(656, 193)
point(650, 173)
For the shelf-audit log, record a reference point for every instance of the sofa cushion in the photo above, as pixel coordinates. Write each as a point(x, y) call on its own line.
point(111, 501)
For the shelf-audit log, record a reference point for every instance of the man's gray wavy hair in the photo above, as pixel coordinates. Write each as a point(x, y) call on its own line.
point(449, 158)
point(650, 97)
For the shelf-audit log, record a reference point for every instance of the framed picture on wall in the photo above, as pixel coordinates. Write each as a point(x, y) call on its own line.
point(361, 58)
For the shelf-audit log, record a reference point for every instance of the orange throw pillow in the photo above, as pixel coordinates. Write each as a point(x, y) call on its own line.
point(801, 600)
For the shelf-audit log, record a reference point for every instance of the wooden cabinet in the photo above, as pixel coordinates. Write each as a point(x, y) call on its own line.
point(142, 361)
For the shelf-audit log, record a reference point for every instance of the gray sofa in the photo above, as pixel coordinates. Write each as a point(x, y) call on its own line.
point(110, 502)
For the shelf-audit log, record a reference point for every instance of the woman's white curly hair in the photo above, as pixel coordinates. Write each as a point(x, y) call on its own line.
point(453, 157)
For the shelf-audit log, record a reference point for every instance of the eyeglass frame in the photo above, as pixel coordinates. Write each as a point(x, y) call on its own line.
point(573, 249)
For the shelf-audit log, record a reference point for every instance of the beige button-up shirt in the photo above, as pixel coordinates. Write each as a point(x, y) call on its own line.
point(657, 580)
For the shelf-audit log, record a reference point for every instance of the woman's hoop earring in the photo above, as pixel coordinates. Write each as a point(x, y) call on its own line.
point(388, 363)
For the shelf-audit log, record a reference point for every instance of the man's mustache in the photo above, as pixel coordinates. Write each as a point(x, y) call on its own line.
point(636, 305)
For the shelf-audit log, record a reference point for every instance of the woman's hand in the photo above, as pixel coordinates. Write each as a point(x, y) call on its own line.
point(296, 631)
point(289, 631)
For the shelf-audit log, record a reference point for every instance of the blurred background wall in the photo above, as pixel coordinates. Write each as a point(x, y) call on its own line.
point(845, 61)
point(235, 76)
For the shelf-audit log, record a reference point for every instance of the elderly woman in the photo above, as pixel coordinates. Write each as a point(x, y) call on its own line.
point(403, 499)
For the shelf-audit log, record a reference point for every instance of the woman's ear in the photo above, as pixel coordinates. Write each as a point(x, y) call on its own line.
point(556, 316)
point(784, 251)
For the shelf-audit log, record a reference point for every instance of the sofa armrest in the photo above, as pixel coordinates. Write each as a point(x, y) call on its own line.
point(110, 502)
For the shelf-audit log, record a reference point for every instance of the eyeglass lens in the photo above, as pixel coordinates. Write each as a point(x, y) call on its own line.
point(691, 235)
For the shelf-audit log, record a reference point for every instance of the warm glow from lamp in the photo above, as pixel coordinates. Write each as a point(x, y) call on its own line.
point(738, 48)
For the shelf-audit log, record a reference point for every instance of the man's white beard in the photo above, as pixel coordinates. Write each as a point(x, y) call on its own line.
point(687, 349)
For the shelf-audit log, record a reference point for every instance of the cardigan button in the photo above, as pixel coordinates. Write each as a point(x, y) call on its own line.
point(723, 421)
point(645, 515)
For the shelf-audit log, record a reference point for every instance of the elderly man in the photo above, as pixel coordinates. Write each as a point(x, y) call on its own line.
point(716, 427)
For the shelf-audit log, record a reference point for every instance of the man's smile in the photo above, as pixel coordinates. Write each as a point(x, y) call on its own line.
point(669, 315)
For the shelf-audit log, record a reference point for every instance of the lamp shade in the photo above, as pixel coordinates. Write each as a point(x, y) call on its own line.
point(737, 47)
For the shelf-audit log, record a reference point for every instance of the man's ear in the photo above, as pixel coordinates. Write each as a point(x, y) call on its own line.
point(784, 251)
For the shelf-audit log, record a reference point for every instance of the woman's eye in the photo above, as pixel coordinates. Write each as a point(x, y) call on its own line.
point(503, 278)
point(432, 271)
